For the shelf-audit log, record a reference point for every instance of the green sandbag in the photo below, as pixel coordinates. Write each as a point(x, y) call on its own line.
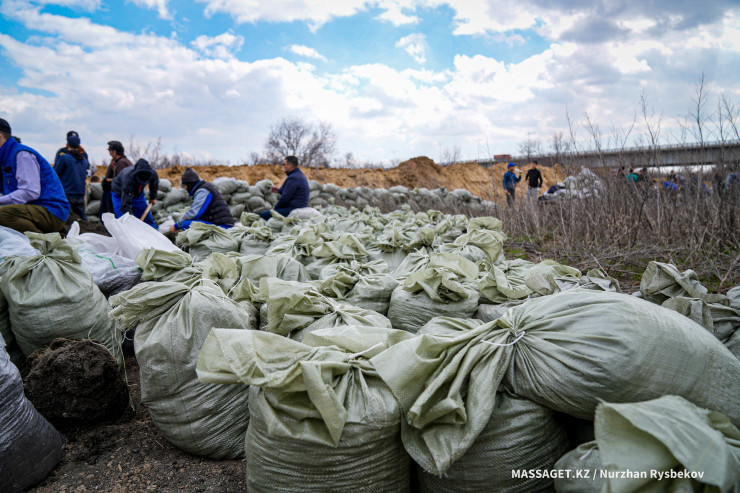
point(357, 287)
point(345, 249)
point(506, 281)
point(321, 419)
point(550, 277)
point(520, 435)
point(662, 281)
point(157, 264)
point(256, 241)
point(719, 319)
point(52, 295)
point(567, 352)
point(581, 470)
point(294, 309)
point(299, 246)
point(689, 448)
point(442, 289)
point(173, 321)
point(203, 239)
point(221, 269)
point(255, 267)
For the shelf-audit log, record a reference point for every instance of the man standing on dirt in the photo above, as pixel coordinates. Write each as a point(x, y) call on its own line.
point(127, 191)
point(118, 163)
point(534, 182)
point(208, 207)
point(510, 181)
point(293, 193)
point(31, 195)
point(72, 168)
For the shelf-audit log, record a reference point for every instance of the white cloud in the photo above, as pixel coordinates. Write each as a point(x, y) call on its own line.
point(159, 5)
point(222, 46)
point(394, 12)
point(415, 45)
point(306, 52)
point(314, 12)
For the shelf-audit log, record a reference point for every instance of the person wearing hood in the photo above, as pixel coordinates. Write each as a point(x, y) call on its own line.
point(72, 167)
point(208, 206)
point(31, 195)
point(127, 191)
point(65, 149)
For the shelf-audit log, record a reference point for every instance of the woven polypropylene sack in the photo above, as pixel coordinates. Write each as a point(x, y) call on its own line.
point(53, 295)
point(204, 239)
point(410, 311)
point(367, 458)
point(14, 352)
point(520, 435)
point(173, 321)
point(641, 351)
point(30, 447)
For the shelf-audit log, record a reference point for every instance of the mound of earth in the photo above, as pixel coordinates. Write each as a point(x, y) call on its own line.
point(75, 383)
point(419, 172)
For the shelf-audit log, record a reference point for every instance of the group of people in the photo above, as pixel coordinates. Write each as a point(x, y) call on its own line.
point(38, 196)
point(533, 178)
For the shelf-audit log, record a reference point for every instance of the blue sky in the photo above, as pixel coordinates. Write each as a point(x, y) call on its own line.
point(394, 78)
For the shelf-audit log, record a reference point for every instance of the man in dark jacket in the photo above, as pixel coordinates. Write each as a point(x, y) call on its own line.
point(208, 206)
point(293, 193)
point(534, 182)
point(127, 191)
point(118, 162)
point(72, 167)
point(32, 196)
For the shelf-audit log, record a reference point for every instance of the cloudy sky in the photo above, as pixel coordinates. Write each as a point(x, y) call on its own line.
point(394, 78)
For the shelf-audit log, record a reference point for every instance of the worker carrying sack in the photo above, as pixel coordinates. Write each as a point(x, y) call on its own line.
point(321, 419)
point(52, 295)
point(567, 352)
point(663, 445)
point(173, 320)
point(30, 447)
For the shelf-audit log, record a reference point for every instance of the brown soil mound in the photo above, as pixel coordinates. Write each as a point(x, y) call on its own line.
point(419, 172)
point(75, 383)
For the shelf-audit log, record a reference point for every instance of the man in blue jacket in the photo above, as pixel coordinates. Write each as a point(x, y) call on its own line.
point(510, 181)
point(72, 168)
point(127, 191)
point(32, 196)
point(208, 206)
point(294, 191)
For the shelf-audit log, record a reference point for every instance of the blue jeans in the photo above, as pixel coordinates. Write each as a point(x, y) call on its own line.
point(138, 206)
point(267, 216)
point(77, 205)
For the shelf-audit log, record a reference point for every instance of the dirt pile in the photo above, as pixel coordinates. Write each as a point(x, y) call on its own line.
point(75, 383)
point(419, 172)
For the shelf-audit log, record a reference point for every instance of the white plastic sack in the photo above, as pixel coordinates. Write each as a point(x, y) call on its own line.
point(134, 235)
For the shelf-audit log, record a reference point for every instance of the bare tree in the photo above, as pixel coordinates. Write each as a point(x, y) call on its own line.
point(449, 155)
point(530, 148)
point(732, 115)
point(595, 132)
point(560, 147)
point(312, 144)
point(652, 126)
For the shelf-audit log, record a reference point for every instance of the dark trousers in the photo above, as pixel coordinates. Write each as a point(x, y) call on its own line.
point(77, 205)
point(267, 216)
point(510, 196)
point(25, 217)
point(138, 206)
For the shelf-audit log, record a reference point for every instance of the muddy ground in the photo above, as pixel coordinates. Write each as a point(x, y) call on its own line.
point(130, 455)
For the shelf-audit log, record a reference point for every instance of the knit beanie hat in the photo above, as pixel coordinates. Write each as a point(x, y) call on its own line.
point(5, 126)
point(189, 176)
point(73, 139)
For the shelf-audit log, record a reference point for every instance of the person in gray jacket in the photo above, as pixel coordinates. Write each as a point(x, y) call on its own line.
point(127, 191)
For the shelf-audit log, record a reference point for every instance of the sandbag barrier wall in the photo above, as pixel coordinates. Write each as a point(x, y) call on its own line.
point(243, 197)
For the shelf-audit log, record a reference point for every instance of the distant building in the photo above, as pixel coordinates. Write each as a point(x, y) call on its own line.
point(502, 157)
